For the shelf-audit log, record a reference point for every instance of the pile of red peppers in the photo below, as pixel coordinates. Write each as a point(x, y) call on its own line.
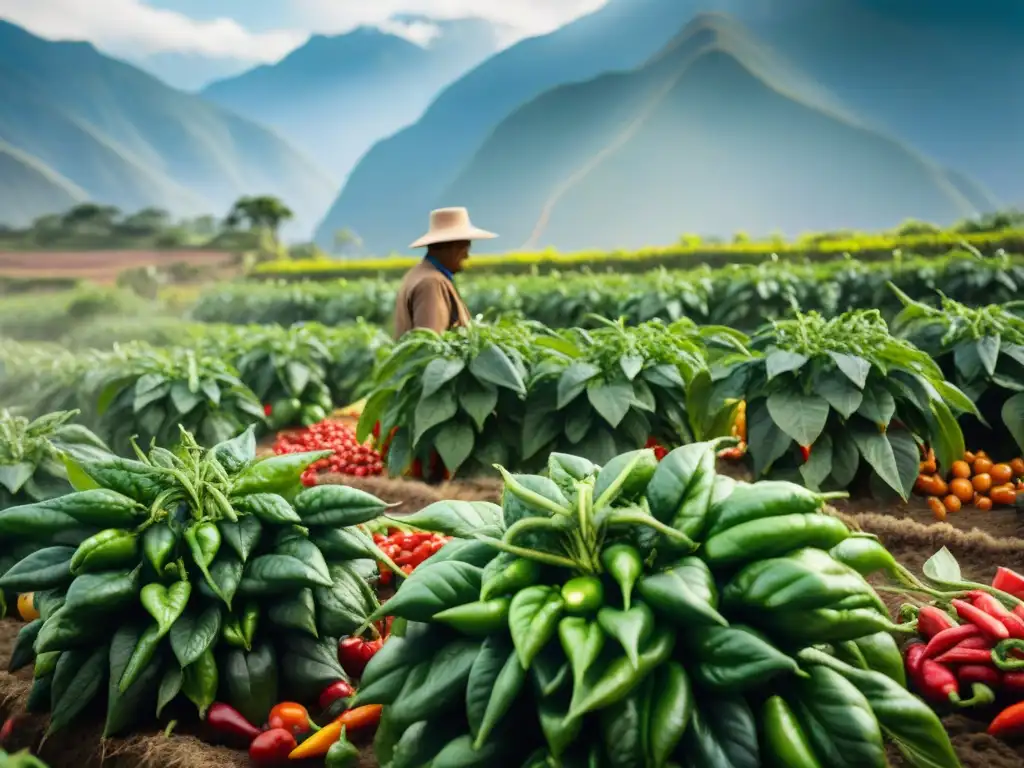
point(976, 656)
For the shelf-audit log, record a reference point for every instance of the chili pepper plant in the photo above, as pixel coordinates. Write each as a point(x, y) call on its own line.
point(286, 368)
point(147, 393)
point(831, 401)
point(22, 759)
point(981, 350)
point(458, 394)
point(646, 613)
point(204, 575)
point(599, 393)
point(31, 469)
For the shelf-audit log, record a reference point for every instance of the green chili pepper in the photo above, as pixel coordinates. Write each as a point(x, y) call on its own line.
point(203, 542)
point(158, 543)
point(669, 713)
point(761, 500)
point(46, 663)
point(624, 564)
point(878, 652)
point(583, 595)
point(604, 685)
point(507, 574)
point(200, 681)
point(631, 628)
point(111, 548)
point(141, 656)
point(785, 742)
point(582, 641)
point(231, 633)
point(809, 578)
point(250, 620)
point(827, 625)
point(165, 604)
point(342, 754)
point(864, 555)
point(479, 618)
point(772, 537)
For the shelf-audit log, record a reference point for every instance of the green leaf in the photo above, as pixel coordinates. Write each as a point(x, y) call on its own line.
point(573, 381)
point(631, 365)
point(845, 459)
point(495, 680)
point(195, 632)
point(630, 628)
point(781, 361)
point(438, 373)
point(878, 406)
point(454, 444)
point(855, 368)
point(479, 402)
point(684, 594)
point(170, 687)
point(611, 400)
point(533, 620)
point(437, 683)
point(429, 591)
point(948, 443)
point(14, 476)
point(460, 519)
point(818, 467)
point(492, 366)
point(1013, 417)
point(767, 442)
point(735, 659)
point(908, 458)
point(802, 417)
point(432, 411)
point(942, 567)
point(296, 377)
point(309, 665)
point(125, 709)
point(988, 352)
point(76, 682)
point(875, 448)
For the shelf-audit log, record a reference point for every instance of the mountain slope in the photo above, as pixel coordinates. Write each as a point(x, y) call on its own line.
point(30, 189)
point(334, 96)
point(389, 193)
point(714, 134)
point(127, 139)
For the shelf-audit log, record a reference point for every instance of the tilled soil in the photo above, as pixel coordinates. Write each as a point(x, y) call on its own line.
point(979, 540)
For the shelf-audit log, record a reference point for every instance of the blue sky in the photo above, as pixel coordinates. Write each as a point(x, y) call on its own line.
point(254, 30)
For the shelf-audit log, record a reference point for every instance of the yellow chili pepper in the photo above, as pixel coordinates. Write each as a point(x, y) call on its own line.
point(320, 742)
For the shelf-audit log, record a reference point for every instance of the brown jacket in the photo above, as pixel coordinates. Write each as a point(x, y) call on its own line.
point(428, 299)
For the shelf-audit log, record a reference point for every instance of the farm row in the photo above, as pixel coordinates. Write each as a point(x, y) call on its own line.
point(631, 610)
point(740, 297)
point(835, 403)
point(1001, 232)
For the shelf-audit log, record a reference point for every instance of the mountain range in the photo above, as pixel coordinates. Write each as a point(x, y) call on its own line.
point(928, 88)
point(335, 96)
point(76, 124)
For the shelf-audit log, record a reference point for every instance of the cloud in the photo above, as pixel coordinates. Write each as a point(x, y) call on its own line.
point(530, 17)
point(128, 27)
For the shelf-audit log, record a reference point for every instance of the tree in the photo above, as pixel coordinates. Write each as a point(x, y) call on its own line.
point(262, 212)
point(91, 218)
point(148, 222)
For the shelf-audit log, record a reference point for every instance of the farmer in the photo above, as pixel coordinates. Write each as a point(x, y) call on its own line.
point(427, 297)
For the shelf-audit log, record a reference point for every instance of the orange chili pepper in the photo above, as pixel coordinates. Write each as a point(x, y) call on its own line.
point(320, 742)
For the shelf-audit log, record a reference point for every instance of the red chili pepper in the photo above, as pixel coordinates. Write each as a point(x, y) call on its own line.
point(7, 730)
point(1009, 581)
point(805, 451)
point(939, 684)
point(960, 655)
point(228, 720)
point(988, 625)
point(1013, 682)
point(272, 748)
point(931, 621)
point(974, 643)
point(914, 657)
point(948, 638)
point(351, 655)
point(335, 691)
point(985, 602)
point(1009, 722)
point(979, 673)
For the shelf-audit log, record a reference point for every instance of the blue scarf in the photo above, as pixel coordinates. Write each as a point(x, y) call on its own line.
point(441, 268)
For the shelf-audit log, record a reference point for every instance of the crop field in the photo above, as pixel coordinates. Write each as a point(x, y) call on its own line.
point(100, 266)
point(680, 516)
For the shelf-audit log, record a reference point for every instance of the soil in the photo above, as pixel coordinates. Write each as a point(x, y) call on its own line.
point(104, 266)
point(979, 540)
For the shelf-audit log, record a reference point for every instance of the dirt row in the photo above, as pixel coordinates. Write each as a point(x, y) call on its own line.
point(980, 541)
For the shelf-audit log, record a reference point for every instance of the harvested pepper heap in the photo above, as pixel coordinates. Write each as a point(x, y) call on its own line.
point(645, 614)
point(204, 576)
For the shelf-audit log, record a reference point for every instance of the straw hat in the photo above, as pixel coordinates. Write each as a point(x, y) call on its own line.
point(449, 225)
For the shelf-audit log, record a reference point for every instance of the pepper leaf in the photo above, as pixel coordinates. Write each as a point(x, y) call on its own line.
point(735, 659)
point(436, 683)
point(533, 619)
point(800, 416)
point(943, 568)
point(428, 591)
point(684, 593)
point(460, 519)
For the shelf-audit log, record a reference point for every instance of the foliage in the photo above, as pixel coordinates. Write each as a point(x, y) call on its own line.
point(741, 297)
point(147, 393)
point(850, 395)
point(213, 579)
point(681, 255)
point(981, 350)
point(647, 615)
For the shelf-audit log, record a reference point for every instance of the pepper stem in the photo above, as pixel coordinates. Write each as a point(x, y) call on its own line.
point(981, 694)
point(518, 489)
point(529, 554)
point(639, 518)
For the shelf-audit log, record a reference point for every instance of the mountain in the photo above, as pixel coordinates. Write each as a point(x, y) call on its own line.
point(189, 71)
point(335, 96)
point(393, 187)
point(716, 133)
point(122, 137)
point(30, 189)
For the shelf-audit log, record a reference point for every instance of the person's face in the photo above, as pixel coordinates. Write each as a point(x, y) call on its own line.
point(454, 255)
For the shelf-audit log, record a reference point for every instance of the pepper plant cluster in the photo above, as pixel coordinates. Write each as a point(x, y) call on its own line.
point(190, 575)
point(650, 614)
